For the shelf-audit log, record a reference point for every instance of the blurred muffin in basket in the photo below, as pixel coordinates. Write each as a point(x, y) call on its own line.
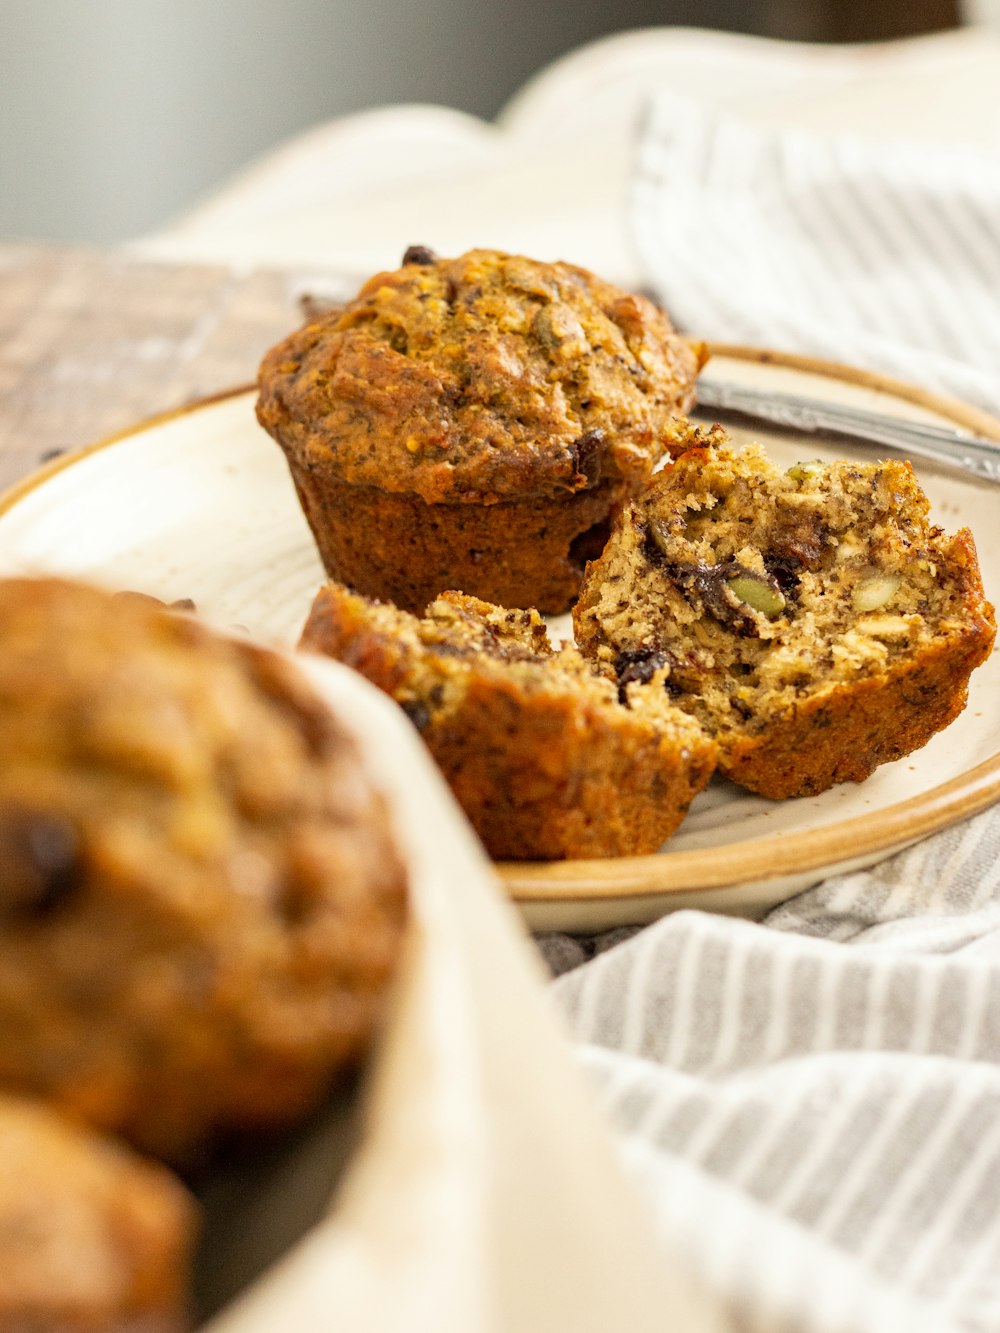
point(201, 903)
point(92, 1238)
point(472, 423)
point(547, 758)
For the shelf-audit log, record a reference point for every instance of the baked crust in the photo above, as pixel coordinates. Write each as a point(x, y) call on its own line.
point(488, 382)
point(845, 734)
point(400, 549)
point(873, 619)
point(543, 757)
point(481, 378)
point(93, 1239)
point(201, 904)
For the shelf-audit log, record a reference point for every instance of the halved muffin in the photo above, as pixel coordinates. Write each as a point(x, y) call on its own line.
point(812, 620)
point(472, 423)
point(547, 758)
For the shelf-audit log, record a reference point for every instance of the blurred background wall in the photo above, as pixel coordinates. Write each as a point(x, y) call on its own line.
point(117, 114)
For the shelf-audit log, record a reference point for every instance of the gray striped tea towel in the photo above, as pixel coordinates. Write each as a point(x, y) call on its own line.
point(813, 1103)
point(887, 257)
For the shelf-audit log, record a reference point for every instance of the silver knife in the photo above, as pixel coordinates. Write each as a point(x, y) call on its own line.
point(951, 448)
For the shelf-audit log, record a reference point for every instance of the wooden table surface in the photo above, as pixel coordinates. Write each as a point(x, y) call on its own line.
point(92, 341)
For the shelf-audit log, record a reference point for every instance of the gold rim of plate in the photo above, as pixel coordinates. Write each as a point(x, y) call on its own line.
point(737, 863)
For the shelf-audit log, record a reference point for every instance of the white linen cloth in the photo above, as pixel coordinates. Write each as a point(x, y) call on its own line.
point(813, 1102)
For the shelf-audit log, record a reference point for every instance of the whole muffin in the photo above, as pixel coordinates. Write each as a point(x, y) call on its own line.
point(92, 1238)
point(201, 903)
point(547, 758)
point(472, 423)
point(813, 620)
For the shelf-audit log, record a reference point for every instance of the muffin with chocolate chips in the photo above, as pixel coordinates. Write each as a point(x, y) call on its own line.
point(547, 758)
point(813, 620)
point(92, 1238)
point(472, 423)
point(201, 903)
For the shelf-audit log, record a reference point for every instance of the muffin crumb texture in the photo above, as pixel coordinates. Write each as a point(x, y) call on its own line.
point(547, 758)
point(812, 620)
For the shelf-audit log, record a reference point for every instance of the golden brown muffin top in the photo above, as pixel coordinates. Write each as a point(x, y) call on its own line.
point(200, 898)
point(486, 377)
point(92, 1238)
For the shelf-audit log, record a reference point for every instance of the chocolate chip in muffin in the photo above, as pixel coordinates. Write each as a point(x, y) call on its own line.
point(587, 452)
point(417, 711)
point(40, 855)
point(637, 664)
point(419, 254)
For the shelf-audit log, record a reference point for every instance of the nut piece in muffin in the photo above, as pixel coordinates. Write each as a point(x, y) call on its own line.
point(201, 903)
point(92, 1238)
point(471, 423)
point(812, 620)
point(547, 758)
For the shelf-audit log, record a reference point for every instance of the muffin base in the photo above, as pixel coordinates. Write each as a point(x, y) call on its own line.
point(547, 779)
point(398, 548)
point(843, 736)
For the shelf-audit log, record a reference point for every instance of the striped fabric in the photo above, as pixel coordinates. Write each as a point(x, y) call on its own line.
point(818, 1126)
point(885, 259)
point(813, 1102)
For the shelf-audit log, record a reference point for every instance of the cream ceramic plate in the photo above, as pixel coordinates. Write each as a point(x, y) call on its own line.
point(199, 504)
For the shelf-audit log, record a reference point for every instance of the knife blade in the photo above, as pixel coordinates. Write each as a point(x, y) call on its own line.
point(955, 449)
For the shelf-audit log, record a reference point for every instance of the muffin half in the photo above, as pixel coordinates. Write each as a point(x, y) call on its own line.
point(812, 620)
point(547, 759)
point(472, 423)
